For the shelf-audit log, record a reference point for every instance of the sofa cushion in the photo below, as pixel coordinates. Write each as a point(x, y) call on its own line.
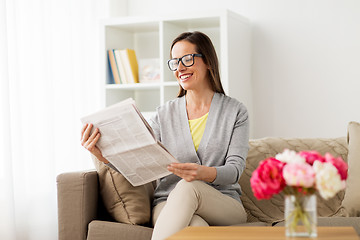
point(352, 196)
point(124, 202)
point(100, 230)
point(272, 210)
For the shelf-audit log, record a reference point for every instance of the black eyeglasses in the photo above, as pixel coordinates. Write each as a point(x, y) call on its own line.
point(186, 60)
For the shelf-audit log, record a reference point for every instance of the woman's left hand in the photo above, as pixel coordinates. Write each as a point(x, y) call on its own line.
point(192, 171)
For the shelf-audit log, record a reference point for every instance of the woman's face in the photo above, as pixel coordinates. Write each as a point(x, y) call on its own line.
point(194, 77)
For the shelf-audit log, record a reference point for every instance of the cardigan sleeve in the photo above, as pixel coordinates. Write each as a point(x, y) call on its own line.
point(235, 159)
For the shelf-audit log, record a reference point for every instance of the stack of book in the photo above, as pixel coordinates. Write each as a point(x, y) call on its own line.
point(124, 66)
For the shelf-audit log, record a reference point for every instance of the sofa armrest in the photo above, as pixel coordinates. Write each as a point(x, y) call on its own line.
point(77, 203)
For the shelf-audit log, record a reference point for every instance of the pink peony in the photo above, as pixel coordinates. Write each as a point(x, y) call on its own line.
point(267, 179)
point(311, 156)
point(299, 175)
point(340, 165)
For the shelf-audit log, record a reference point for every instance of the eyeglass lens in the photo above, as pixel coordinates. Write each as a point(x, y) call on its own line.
point(187, 61)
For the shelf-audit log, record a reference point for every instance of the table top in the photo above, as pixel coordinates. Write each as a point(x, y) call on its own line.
point(259, 233)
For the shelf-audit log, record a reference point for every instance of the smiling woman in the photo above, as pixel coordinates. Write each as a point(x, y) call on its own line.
point(194, 45)
point(205, 183)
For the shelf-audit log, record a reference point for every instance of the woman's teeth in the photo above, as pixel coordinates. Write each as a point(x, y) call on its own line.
point(183, 77)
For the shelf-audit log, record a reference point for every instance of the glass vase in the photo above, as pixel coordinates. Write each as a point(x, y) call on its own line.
point(300, 215)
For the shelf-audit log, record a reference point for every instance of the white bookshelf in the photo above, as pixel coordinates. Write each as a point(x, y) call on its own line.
point(152, 37)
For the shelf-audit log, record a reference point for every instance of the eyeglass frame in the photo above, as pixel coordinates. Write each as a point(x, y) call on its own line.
point(193, 55)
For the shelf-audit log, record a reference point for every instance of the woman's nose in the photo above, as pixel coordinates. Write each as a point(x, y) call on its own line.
point(181, 66)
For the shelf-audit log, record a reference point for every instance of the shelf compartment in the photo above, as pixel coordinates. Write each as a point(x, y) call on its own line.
point(147, 99)
point(134, 86)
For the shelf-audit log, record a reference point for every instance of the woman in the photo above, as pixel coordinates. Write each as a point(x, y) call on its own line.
point(207, 132)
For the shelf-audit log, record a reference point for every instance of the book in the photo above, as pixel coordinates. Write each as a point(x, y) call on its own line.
point(129, 144)
point(113, 67)
point(128, 58)
point(120, 65)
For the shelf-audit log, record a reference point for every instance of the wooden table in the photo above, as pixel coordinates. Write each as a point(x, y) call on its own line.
point(259, 233)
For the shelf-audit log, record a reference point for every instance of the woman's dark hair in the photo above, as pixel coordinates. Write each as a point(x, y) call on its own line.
point(205, 47)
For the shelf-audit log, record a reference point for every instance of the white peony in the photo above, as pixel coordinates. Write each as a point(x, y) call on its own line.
point(328, 180)
point(289, 156)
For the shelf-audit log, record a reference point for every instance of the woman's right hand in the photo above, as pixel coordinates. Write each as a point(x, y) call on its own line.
point(89, 141)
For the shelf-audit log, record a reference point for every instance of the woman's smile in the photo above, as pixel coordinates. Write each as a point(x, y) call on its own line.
point(184, 77)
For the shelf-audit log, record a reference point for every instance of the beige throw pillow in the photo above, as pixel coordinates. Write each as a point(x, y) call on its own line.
point(124, 202)
point(352, 195)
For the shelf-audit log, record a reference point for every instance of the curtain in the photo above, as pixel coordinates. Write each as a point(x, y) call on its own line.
point(48, 80)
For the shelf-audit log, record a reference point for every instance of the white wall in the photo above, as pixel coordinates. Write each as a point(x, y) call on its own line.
point(306, 61)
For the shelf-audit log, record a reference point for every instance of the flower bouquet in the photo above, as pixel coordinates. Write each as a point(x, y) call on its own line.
point(299, 176)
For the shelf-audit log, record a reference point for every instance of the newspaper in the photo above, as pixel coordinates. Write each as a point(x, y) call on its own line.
point(129, 144)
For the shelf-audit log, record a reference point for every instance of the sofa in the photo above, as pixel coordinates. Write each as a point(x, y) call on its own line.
point(101, 204)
